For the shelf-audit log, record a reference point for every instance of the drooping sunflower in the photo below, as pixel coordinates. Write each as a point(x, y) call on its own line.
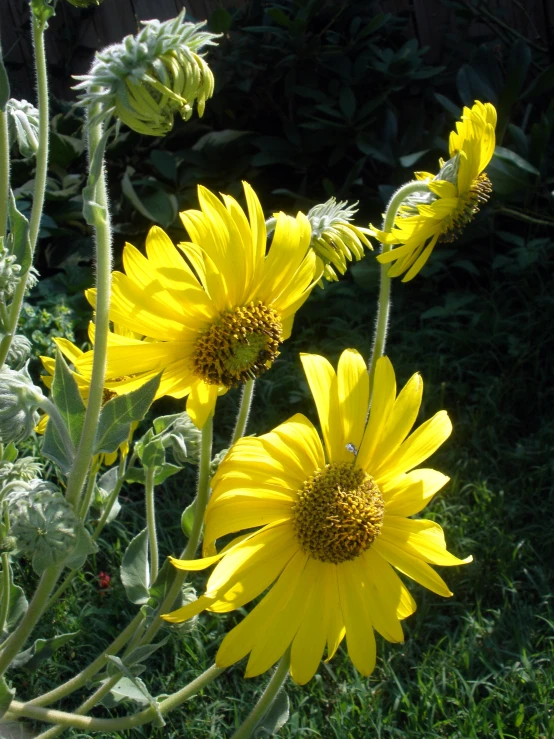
point(454, 198)
point(218, 319)
point(334, 520)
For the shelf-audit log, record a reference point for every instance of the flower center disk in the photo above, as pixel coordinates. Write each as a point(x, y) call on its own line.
point(240, 346)
point(339, 513)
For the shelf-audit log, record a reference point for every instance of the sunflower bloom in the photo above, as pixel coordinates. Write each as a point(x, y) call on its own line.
point(334, 520)
point(217, 318)
point(455, 196)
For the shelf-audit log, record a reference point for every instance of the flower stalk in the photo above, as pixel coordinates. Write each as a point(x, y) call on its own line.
point(151, 521)
point(244, 410)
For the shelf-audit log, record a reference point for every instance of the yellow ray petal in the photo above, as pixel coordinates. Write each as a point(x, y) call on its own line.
point(201, 402)
point(384, 395)
point(411, 566)
point(335, 623)
point(391, 592)
point(420, 537)
point(296, 445)
point(323, 384)
point(309, 642)
point(360, 638)
point(353, 397)
point(409, 494)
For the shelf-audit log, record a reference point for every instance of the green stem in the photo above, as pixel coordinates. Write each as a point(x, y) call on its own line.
point(101, 218)
point(6, 587)
point(244, 410)
point(266, 699)
point(55, 416)
point(383, 305)
point(202, 498)
point(86, 723)
point(151, 521)
point(4, 171)
point(36, 608)
point(83, 677)
point(40, 181)
point(89, 490)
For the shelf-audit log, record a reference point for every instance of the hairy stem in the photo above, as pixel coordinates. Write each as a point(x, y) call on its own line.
point(244, 410)
point(266, 699)
point(86, 723)
point(383, 304)
point(102, 227)
point(40, 181)
point(4, 170)
point(6, 587)
point(151, 521)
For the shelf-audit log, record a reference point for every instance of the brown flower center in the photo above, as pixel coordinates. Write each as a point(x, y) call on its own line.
point(468, 206)
point(239, 346)
point(339, 513)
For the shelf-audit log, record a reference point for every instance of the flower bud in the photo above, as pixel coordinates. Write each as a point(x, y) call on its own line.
point(334, 239)
point(9, 271)
point(19, 351)
point(184, 439)
point(24, 469)
point(19, 400)
point(216, 461)
point(44, 525)
point(145, 79)
point(23, 121)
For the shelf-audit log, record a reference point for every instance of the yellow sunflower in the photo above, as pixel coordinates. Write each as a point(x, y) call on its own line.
point(214, 316)
point(335, 523)
point(456, 193)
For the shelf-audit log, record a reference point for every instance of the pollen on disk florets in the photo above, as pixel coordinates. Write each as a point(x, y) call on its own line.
point(339, 513)
point(239, 346)
point(468, 206)
point(145, 79)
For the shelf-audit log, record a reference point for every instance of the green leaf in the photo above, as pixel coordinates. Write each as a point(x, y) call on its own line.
point(135, 571)
point(66, 397)
point(159, 206)
point(541, 84)
point(124, 691)
point(163, 422)
point(159, 721)
point(279, 16)
point(347, 102)
point(448, 105)
point(220, 20)
point(4, 86)
point(153, 454)
point(19, 235)
point(187, 518)
point(17, 607)
point(139, 654)
point(41, 650)
point(84, 546)
point(6, 696)
point(275, 718)
point(137, 474)
point(119, 413)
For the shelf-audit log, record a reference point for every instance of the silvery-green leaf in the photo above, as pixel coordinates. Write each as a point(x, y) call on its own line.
point(41, 650)
point(187, 518)
point(118, 414)
point(275, 718)
point(6, 696)
point(153, 454)
point(136, 474)
point(159, 720)
point(123, 691)
point(84, 546)
point(20, 245)
point(135, 569)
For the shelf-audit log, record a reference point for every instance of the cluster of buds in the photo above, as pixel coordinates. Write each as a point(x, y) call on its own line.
point(335, 239)
point(19, 352)
point(148, 78)
point(19, 401)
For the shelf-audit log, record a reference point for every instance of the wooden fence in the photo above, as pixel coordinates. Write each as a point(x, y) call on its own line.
point(75, 35)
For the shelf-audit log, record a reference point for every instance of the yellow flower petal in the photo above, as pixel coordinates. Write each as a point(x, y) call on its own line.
point(309, 643)
point(411, 566)
point(422, 538)
point(353, 397)
point(323, 384)
point(384, 395)
point(409, 494)
point(201, 402)
point(360, 639)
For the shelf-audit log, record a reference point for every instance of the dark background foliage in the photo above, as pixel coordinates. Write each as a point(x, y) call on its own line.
point(321, 98)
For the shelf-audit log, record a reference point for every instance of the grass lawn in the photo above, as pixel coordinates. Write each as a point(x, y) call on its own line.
point(480, 664)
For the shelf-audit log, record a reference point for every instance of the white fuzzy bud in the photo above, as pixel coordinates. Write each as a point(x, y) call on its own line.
point(19, 400)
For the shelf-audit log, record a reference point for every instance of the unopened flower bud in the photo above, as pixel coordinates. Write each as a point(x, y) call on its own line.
point(9, 271)
point(19, 351)
point(44, 525)
point(146, 79)
point(9, 543)
point(23, 120)
point(19, 400)
point(184, 439)
point(334, 239)
point(24, 469)
point(216, 461)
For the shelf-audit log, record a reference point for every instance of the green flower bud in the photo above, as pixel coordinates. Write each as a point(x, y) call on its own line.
point(19, 351)
point(43, 524)
point(19, 400)
point(9, 271)
point(145, 79)
point(184, 439)
point(334, 239)
point(216, 461)
point(24, 126)
point(25, 469)
point(9, 544)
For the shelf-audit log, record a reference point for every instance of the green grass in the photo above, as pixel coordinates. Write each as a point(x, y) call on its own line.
point(480, 664)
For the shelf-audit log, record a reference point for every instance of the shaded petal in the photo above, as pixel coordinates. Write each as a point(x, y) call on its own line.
point(201, 402)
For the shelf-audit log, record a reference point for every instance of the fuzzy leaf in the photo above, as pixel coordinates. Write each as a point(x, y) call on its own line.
point(159, 721)
point(136, 474)
point(19, 236)
point(6, 696)
point(134, 569)
point(41, 650)
point(275, 718)
point(119, 413)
